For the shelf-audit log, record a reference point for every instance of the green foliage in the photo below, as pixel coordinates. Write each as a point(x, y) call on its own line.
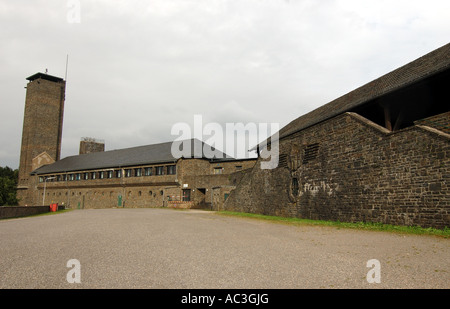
point(8, 186)
point(369, 226)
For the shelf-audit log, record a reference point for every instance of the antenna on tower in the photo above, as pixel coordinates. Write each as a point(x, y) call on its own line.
point(67, 63)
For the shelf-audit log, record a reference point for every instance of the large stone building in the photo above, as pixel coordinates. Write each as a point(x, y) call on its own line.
point(379, 153)
point(145, 176)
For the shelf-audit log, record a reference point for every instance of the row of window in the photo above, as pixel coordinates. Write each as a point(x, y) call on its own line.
point(111, 194)
point(112, 173)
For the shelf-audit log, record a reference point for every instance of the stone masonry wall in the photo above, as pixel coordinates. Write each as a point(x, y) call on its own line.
point(350, 169)
point(42, 129)
point(440, 122)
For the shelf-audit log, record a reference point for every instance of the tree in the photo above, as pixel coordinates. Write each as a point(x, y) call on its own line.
point(8, 186)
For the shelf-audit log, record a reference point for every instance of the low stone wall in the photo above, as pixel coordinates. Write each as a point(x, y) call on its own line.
point(180, 204)
point(23, 211)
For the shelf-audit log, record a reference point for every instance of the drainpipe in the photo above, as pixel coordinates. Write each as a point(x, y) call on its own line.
point(45, 184)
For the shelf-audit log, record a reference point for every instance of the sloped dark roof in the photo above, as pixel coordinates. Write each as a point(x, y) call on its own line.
point(149, 154)
point(430, 64)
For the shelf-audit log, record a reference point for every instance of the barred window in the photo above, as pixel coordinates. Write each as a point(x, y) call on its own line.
point(310, 153)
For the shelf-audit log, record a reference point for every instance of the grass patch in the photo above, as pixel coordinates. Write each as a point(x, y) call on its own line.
point(51, 213)
point(368, 226)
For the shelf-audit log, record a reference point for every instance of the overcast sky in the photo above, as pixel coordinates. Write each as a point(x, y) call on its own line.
point(136, 68)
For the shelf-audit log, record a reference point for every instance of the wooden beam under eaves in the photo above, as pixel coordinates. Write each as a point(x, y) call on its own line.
point(387, 117)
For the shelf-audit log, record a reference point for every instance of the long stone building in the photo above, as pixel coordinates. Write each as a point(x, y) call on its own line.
point(144, 176)
point(379, 153)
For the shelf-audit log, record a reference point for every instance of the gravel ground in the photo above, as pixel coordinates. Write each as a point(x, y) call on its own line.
point(170, 249)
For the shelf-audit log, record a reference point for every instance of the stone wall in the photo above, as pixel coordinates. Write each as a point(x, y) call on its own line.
point(21, 211)
point(350, 169)
point(440, 122)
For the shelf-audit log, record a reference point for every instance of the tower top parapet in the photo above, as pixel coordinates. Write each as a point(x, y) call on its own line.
point(44, 76)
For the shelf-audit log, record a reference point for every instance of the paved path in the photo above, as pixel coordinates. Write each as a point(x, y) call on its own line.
point(169, 249)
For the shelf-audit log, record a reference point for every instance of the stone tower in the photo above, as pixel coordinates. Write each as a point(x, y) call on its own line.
point(90, 145)
point(42, 131)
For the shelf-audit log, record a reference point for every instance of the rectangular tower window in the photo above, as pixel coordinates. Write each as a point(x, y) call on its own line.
point(171, 170)
point(128, 172)
point(159, 170)
point(138, 172)
point(118, 174)
point(148, 171)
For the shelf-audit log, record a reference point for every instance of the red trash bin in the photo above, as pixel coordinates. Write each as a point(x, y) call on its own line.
point(53, 207)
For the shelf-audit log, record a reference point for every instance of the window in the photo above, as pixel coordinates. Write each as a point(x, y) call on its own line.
point(71, 177)
point(138, 172)
point(118, 173)
point(159, 170)
point(41, 179)
point(283, 160)
point(101, 175)
point(171, 170)
point(310, 153)
point(78, 176)
point(86, 176)
point(93, 175)
point(294, 187)
point(238, 167)
point(128, 172)
point(109, 174)
point(218, 170)
point(148, 171)
point(64, 177)
point(186, 195)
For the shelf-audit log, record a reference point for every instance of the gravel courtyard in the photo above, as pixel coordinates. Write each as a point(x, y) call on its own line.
point(173, 249)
